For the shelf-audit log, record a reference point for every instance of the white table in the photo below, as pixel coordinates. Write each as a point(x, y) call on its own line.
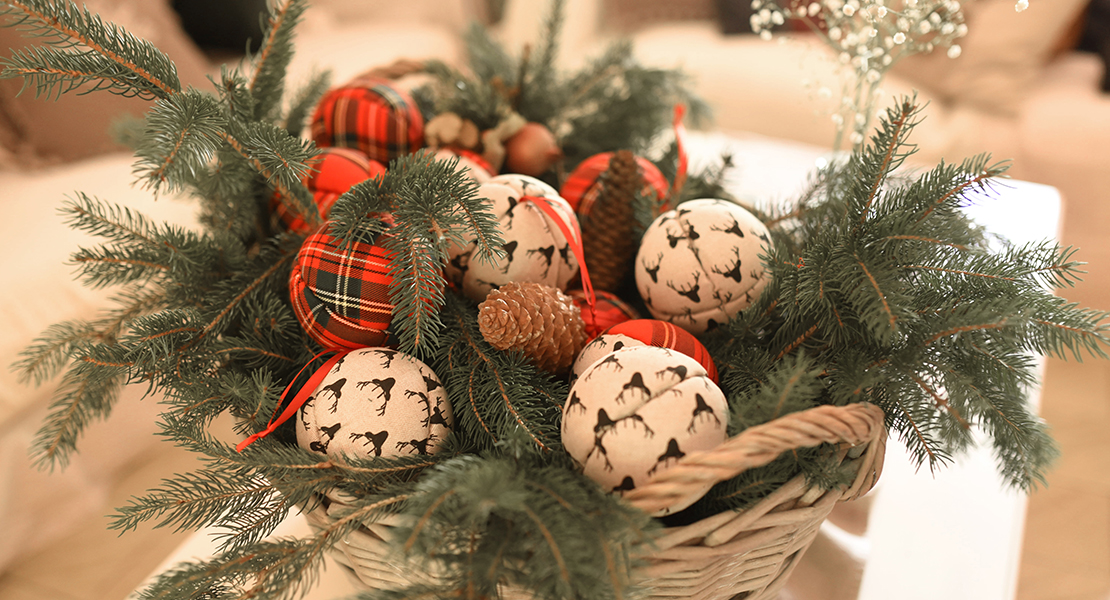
point(955, 534)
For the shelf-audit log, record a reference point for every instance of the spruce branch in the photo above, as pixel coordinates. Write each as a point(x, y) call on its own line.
point(304, 102)
point(183, 133)
point(115, 60)
point(267, 83)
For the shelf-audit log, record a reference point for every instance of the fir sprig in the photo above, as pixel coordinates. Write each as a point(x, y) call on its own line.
point(267, 82)
point(82, 50)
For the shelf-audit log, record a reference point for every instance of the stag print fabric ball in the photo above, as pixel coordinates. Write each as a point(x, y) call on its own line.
point(376, 402)
point(636, 412)
point(536, 250)
point(699, 265)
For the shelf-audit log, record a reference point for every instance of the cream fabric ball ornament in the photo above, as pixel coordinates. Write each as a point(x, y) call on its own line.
point(636, 412)
point(536, 248)
point(375, 402)
point(699, 265)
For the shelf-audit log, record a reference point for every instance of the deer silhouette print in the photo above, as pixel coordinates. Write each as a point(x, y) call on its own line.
point(564, 254)
point(731, 271)
point(680, 372)
point(437, 417)
point(547, 253)
point(321, 445)
point(673, 240)
point(510, 249)
point(385, 390)
point(336, 390)
point(673, 452)
point(574, 401)
point(606, 424)
point(339, 363)
point(691, 233)
point(653, 270)
point(377, 439)
point(701, 408)
point(430, 382)
point(733, 229)
point(626, 485)
point(418, 446)
point(634, 385)
point(611, 359)
point(461, 262)
point(423, 398)
point(690, 292)
point(513, 203)
point(389, 356)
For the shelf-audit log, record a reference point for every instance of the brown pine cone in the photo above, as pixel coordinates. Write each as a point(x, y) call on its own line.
point(607, 239)
point(536, 319)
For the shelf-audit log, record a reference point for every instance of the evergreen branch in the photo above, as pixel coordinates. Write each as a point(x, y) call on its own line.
point(304, 101)
point(878, 290)
point(234, 303)
point(283, 161)
point(116, 223)
point(270, 65)
point(88, 391)
point(964, 329)
point(425, 519)
point(797, 342)
point(51, 351)
point(960, 272)
point(978, 178)
point(887, 144)
point(564, 573)
point(926, 239)
point(917, 433)
point(941, 401)
point(182, 136)
point(134, 66)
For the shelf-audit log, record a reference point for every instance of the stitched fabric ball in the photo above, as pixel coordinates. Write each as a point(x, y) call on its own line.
point(535, 248)
point(376, 402)
point(637, 412)
point(645, 332)
point(369, 115)
point(335, 171)
point(341, 294)
point(584, 185)
point(699, 265)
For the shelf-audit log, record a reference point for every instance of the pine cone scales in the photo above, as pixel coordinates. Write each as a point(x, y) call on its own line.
point(536, 319)
point(607, 239)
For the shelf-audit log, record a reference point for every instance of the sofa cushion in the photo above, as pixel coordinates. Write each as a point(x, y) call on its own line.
point(1002, 54)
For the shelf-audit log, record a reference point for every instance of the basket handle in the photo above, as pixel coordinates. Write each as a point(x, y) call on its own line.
point(756, 446)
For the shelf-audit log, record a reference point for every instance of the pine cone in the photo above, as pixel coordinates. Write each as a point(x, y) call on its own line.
point(607, 232)
point(536, 319)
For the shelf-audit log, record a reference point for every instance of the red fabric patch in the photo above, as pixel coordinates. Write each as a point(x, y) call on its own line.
point(335, 171)
point(664, 335)
point(341, 294)
point(581, 188)
point(610, 311)
point(369, 115)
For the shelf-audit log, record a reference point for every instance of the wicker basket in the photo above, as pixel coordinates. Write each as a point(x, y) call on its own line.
point(748, 554)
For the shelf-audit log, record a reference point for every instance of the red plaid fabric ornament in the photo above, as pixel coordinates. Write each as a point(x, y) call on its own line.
point(665, 335)
point(582, 187)
point(340, 293)
point(608, 311)
point(369, 115)
point(334, 171)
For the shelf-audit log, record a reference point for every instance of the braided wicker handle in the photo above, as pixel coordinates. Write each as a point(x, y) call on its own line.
point(757, 446)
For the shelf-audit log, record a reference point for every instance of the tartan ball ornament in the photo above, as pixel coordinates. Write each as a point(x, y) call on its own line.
point(340, 293)
point(583, 186)
point(369, 115)
point(644, 332)
point(334, 171)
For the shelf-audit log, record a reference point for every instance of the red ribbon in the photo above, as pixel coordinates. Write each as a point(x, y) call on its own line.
point(573, 236)
point(680, 144)
point(302, 396)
